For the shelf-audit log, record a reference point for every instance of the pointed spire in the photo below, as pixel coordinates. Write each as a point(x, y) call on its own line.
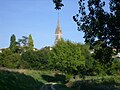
point(58, 29)
point(58, 20)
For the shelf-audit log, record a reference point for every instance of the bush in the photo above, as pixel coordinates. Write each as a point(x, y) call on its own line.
point(36, 59)
point(12, 61)
point(67, 57)
point(97, 84)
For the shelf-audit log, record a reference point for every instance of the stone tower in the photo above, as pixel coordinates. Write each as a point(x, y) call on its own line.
point(58, 32)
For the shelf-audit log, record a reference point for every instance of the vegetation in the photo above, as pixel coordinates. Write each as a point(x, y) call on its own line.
point(30, 43)
point(22, 79)
point(11, 80)
point(71, 66)
point(104, 83)
point(13, 43)
point(23, 41)
point(67, 57)
point(58, 4)
point(101, 28)
point(98, 25)
point(98, 31)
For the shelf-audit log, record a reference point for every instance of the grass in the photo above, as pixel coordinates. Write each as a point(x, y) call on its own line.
point(20, 79)
point(36, 74)
point(104, 83)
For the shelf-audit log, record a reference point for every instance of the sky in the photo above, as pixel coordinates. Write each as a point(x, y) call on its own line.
point(39, 18)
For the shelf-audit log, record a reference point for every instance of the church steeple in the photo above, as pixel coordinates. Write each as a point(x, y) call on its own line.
point(58, 32)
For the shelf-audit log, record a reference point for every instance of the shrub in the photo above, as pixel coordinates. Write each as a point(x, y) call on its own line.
point(12, 61)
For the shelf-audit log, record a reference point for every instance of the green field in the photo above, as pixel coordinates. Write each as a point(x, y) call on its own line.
point(20, 79)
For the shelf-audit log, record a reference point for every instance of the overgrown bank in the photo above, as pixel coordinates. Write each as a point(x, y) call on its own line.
point(22, 79)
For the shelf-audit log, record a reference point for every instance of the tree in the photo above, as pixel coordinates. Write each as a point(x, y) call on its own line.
point(30, 42)
point(88, 56)
point(99, 25)
point(13, 43)
point(115, 26)
point(67, 57)
point(100, 28)
point(12, 61)
point(58, 4)
point(36, 59)
point(31, 58)
point(23, 42)
point(6, 52)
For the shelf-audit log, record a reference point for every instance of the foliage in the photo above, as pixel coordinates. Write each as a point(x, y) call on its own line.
point(4, 54)
point(67, 57)
point(115, 67)
point(101, 28)
point(105, 83)
point(23, 79)
point(87, 54)
point(36, 59)
point(70, 58)
point(99, 25)
point(13, 43)
point(99, 69)
point(30, 42)
point(103, 56)
point(31, 58)
point(1, 59)
point(24, 44)
point(44, 56)
point(12, 61)
point(23, 41)
point(17, 81)
point(58, 4)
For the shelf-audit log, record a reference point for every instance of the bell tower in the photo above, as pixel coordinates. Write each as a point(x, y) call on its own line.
point(58, 32)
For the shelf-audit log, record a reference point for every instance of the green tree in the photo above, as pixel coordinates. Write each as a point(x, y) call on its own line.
point(12, 61)
point(101, 28)
point(23, 41)
point(98, 24)
point(88, 56)
point(103, 59)
point(6, 52)
point(30, 43)
point(13, 43)
point(36, 59)
point(22, 44)
point(43, 56)
point(67, 57)
point(31, 58)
